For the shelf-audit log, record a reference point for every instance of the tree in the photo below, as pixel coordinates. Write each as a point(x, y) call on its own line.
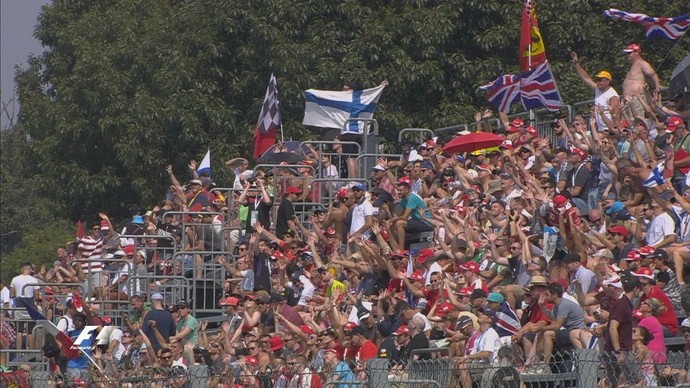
point(127, 87)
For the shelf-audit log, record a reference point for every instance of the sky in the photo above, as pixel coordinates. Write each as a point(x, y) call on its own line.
point(17, 21)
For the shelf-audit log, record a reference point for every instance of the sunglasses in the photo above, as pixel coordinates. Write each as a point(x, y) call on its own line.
point(166, 358)
point(253, 348)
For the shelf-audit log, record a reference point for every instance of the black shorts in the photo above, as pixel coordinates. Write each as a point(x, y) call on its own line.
point(416, 226)
point(563, 339)
point(351, 148)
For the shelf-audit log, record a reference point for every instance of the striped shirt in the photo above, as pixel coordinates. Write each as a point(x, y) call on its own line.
point(91, 249)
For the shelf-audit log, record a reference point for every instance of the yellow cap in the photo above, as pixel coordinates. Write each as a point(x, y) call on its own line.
point(604, 74)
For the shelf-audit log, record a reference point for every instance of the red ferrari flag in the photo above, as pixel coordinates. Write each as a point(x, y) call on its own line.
point(532, 52)
point(269, 120)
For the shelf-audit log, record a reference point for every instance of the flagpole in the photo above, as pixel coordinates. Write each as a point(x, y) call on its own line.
point(282, 140)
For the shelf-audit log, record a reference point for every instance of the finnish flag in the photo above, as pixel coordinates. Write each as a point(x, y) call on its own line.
point(205, 165)
point(331, 109)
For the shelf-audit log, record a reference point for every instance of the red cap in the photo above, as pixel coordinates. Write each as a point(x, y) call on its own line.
point(105, 224)
point(443, 309)
point(249, 296)
point(470, 266)
point(619, 229)
point(334, 351)
point(306, 329)
point(484, 167)
point(672, 123)
point(106, 320)
point(349, 326)
point(417, 276)
point(559, 200)
point(293, 190)
point(582, 154)
point(424, 255)
point(466, 291)
point(251, 360)
point(229, 301)
point(646, 250)
point(645, 272)
point(532, 131)
point(342, 193)
point(405, 179)
point(632, 48)
point(638, 314)
point(329, 232)
point(277, 255)
point(402, 330)
point(276, 343)
point(518, 122)
point(633, 255)
point(507, 144)
point(129, 250)
point(430, 143)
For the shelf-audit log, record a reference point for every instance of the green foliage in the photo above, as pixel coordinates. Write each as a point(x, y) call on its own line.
point(127, 87)
point(37, 246)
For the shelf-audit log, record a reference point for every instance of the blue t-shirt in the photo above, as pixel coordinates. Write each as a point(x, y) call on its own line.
point(344, 373)
point(416, 203)
point(81, 362)
point(164, 324)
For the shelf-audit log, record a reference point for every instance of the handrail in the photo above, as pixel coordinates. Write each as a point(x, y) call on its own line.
point(53, 284)
point(421, 133)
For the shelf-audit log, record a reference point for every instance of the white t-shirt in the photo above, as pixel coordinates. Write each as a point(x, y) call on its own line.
point(307, 292)
point(602, 100)
point(660, 227)
point(5, 300)
point(488, 342)
point(427, 323)
point(65, 324)
point(18, 283)
point(124, 271)
point(359, 214)
point(116, 334)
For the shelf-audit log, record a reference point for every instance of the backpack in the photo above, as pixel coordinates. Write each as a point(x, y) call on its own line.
point(50, 348)
point(505, 377)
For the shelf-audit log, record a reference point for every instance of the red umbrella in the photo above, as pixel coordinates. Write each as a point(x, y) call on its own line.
point(472, 142)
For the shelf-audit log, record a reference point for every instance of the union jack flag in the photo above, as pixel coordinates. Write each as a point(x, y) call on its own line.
point(538, 89)
point(507, 322)
point(504, 91)
point(667, 28)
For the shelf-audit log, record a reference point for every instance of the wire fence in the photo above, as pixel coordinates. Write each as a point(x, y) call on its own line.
point(574, 368)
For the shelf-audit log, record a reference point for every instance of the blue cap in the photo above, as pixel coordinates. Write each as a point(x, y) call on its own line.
point(460, 158)
point(426, 165)
point(138, 220)
point(360, 186)
point(615, 208)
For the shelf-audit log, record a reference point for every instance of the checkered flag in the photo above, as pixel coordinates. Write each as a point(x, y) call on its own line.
point(269, 120)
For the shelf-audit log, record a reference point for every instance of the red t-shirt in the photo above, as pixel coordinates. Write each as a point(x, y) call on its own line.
point(667, 318)
point(367, 351)
point(479, 285)
point(538, 315)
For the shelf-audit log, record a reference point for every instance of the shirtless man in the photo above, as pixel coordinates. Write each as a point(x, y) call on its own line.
point(634, 82)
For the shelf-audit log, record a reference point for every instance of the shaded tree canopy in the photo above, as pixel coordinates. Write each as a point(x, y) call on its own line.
point(126, 87)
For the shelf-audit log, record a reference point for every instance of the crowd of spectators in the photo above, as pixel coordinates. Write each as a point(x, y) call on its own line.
point(576, 240)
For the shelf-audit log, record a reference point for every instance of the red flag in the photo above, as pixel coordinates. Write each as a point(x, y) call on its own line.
point(532, 52)
point(269, 120)
point(80, 230)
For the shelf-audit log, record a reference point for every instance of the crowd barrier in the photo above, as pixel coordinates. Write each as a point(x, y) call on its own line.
point(575, 368)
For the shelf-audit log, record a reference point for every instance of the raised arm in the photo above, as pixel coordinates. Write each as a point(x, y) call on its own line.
point(581, 71)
